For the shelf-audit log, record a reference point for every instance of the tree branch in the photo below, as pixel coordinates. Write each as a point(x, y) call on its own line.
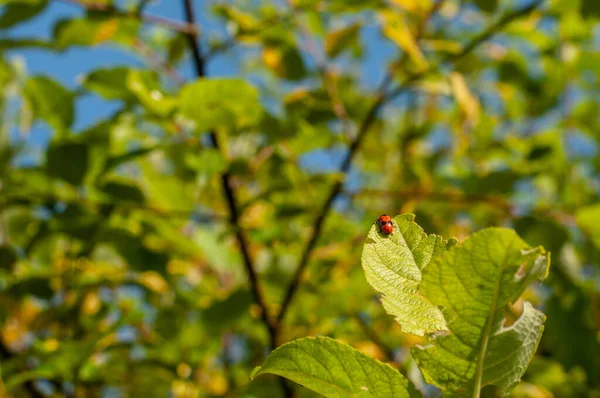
point(188, 29)
point(381, 100)
point(493, 29)
point(450, 197)
point(234, 216)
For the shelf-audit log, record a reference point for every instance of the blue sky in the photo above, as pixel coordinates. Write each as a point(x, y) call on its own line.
point(69, 66)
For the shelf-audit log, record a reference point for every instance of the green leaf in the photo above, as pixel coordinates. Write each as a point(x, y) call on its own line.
point(8, 257)
point(145, 85)
point(109, 83)
point(68, 161)
point(338, 40)
point(208, 162)
point(335, 370)
point(50, 101)
point(21, 224)
point(224, 314)
point(474, 282)
point(15, 13)
point(221, 102)
point(393, 265)
point(590, 8)
point(24, 42)
point(285, 61)
point(123, 191)
point(486, 5)
point(84, 32)
point(588, 219)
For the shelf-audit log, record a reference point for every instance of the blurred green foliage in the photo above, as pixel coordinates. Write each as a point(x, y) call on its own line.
point(146, 254)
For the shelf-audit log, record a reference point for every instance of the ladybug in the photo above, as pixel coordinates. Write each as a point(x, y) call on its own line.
point(385, 224)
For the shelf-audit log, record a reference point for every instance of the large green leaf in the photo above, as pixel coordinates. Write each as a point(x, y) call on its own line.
point(474, 282)
point(221, 103)
point(335, 370)
point(393, 265)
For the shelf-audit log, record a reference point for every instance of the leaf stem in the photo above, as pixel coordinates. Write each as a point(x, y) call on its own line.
point(485, 336)
point(230, 196)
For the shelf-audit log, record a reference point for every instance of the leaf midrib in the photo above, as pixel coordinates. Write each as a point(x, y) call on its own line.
point(485, 337)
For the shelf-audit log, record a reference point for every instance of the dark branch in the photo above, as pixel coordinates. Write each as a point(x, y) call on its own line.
point(493, 29)
point(381, 100)
point(234, 216)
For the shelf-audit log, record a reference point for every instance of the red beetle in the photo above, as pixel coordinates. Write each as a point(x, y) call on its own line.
point(385, 224)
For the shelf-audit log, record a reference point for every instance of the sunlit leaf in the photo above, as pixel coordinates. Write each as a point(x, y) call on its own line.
point(335, 370)
point(395, 27)
point(468, 102)
point(393, 265)
point(474, 282)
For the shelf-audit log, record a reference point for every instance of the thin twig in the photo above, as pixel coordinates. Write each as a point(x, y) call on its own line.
point(44, 198)
point(381, 100)
point(452, 197)
point(234, 216)
point(493, 29)
point(158, 63)
point(335, 190)
point(188, 29)
point(139, 10)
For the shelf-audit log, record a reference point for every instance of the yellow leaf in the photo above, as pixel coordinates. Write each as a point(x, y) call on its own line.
point(271, 57)
point(153, 281)
point(15, 335)
point(371, 349)
point(468, 102)
point(184, 370)
point(106, 31)
point(184, 389)
point(217, 384)
point(395, 28)
point(91, 303)
point(51, 345)
point(416, 6)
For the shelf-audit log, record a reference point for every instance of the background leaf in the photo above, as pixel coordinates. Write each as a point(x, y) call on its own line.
point(220, 103)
